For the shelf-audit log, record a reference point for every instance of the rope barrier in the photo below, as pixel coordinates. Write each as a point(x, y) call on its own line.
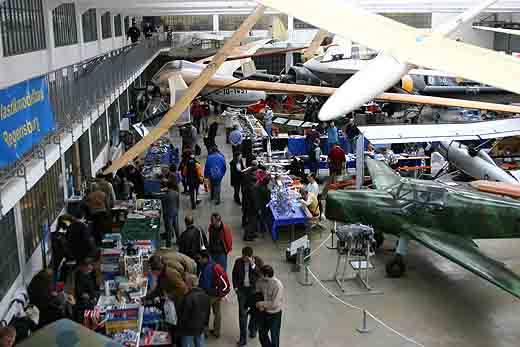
point(321, 245)
point(357, 308)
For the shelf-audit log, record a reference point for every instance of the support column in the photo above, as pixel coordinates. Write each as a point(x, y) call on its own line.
point(216, 23)
point(99, 12)
point(290, 28)
point(289, 60)
point(113, 28)
point(79, 28)
point(360, 161)
point(76, 168)
point(49, 32)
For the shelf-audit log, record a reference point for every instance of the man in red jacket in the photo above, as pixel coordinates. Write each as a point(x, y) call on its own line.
point(220, 240)
point(336, 160)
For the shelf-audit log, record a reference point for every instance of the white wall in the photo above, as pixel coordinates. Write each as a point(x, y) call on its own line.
point(466, 33)
point(64, 55)
point(21, 67)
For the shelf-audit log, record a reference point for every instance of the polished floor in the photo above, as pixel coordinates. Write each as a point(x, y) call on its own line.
point(436, 304)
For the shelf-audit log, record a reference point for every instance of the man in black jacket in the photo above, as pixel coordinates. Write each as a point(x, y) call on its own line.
point(212, 133)
point(192, 239)
point(236, 166)
point(249, 208)
point(244, 280)
point(193, 314)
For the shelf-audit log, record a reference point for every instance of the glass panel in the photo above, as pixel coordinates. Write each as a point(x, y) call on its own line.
point(188, 23)
point(10, 265)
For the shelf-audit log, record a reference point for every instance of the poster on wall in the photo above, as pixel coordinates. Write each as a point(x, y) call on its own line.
point(25, 118)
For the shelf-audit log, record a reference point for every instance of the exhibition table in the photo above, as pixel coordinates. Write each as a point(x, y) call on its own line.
point(298, 215)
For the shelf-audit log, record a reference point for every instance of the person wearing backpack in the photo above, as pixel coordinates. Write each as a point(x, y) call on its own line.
point(193, 314)
point(215, 170)
point(193, 240)
point(220, 240)
point(213, 279)
point(193, 175)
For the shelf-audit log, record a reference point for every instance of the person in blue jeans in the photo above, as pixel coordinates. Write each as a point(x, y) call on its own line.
point(193, 314)
point(245, 274)
point(214, 170)
point(270, 308)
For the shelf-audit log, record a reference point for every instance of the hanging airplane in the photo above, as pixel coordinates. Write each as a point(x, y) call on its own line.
point(403, 39)
point(336, 69)
point(444, 218)
point(415, 48)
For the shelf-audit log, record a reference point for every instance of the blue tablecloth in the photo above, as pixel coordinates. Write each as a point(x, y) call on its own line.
point(296, 217)
point(298, 146)
point(166, 157)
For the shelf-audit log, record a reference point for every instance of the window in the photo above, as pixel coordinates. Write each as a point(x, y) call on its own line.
point(416, 20)
point(189, 23)
point(127, 24)
point(10, 265)
point(299, 24)
point(123, 103)
point(99, 135)
point(118, 25)
point(106, 26)
point(22, 26)
point(90, 32)
point(64, 24)
point(41, 206)
point(113, 123)
point(232, 22)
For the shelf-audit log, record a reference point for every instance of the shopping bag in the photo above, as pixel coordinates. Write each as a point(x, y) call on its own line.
point(170, 313)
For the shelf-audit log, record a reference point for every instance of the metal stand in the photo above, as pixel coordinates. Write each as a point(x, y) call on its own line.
point(303, 277)
point(363, 329)
point(333, 232)
point(354, 250)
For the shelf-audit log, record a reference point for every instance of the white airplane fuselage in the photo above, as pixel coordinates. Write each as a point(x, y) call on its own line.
point(189, 72)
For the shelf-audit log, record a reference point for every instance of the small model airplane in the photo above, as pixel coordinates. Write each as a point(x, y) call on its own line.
point(403, 48)
point(441, 217)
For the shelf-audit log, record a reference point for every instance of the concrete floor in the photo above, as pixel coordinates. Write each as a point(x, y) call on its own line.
point(437, 303)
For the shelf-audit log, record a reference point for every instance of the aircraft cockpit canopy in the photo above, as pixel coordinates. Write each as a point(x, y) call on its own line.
point(430, 193)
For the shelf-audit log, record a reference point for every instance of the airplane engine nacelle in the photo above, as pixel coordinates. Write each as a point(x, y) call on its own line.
point(301, 75)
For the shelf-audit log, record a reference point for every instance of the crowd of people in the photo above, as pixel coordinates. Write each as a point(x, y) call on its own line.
point(193, 275)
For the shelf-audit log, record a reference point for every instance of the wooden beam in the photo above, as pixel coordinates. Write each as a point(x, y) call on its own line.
point(297, 89)
point(315, 44)
point(174, 113)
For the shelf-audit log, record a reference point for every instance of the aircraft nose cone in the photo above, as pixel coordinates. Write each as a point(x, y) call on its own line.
point(381, 74)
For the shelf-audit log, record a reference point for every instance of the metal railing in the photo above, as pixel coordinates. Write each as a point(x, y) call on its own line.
point(77, 90)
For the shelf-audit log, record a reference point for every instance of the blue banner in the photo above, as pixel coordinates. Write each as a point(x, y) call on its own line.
point(25, 118)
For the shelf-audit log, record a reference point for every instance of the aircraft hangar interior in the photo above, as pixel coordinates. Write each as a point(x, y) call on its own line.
point(260, 173)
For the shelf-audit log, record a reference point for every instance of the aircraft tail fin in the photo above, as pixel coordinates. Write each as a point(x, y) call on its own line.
point(177, 89)
point(454, 24)
point(279, 31)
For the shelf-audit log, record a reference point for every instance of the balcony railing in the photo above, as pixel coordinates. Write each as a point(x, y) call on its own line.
point(77, 90)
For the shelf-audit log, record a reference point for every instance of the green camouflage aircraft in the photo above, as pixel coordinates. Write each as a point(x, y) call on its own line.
point(441, 217)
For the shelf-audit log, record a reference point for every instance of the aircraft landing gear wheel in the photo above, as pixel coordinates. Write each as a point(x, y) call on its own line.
point(396, 267)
